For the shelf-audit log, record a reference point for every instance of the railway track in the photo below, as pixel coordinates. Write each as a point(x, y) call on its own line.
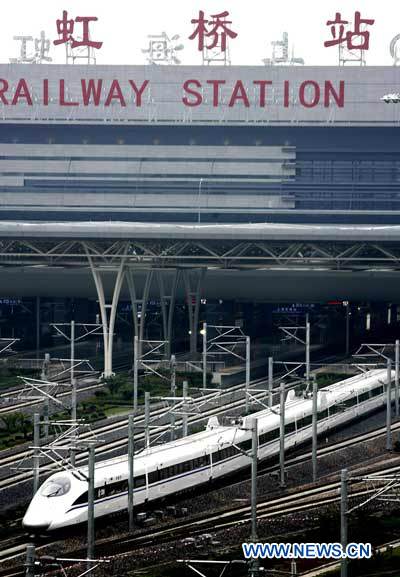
point(306, 499)
point(322, 570)
point(12, 393)
point(123, 423)
point(17, 407)
point(103, 449)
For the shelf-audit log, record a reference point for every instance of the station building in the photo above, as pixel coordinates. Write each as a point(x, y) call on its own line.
point(199, 144)
point(208, 146)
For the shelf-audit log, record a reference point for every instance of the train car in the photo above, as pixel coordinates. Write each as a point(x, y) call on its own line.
point(187, 463)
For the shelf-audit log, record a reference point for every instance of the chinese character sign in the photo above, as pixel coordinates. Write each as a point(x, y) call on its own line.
point(357, 39)
point(39, 52)
point(216, 29)
point(42, 48)
point(66, 29)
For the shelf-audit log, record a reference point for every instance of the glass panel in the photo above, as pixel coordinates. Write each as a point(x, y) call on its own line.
point(56, 487)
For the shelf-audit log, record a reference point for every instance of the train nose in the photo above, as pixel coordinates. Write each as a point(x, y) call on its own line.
point(35, 524)
point(36, 527)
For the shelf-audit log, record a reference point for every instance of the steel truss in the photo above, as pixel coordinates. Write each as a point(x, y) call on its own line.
point(170, 253)
point(6, 345)
point(383, 488)
point(67, 438)
point(192, 257)
point(59, 452)
point(226, 340)
point(389, 352)
point(40, 390)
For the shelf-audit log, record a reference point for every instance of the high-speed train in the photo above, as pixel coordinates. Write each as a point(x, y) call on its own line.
point(189, 462)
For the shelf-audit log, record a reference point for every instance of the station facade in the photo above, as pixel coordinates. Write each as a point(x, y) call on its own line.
point(199, 144)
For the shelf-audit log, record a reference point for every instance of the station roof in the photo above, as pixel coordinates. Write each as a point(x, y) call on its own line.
point(266, 262)
point(251, 232)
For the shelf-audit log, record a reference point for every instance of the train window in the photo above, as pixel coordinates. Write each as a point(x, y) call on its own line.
point(269, 436)
point(82, 499)
point(363, 397)
point(117, 488)
point(224, 454)
point(153, 477)
point(101, 492)
point(245, 445)
point(377, 391)
point(351, 402)
point(186, 466)
point(56, 487)
point(201, 462)
point(140, 481)
point(289, 428)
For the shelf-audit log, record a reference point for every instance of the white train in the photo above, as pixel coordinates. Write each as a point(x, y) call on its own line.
point(187, 463)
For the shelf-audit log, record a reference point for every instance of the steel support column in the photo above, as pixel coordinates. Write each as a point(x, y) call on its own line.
point(108, 322)
point(396, 379)
point(343, 518)
point(314, 430)
point(30, 560)
point(168, 308)
point(139, 323)
point(254, 567)
point(389, 439)
point(247, 384)
point(193, 308)
point(270, 380)
point(131, 476)
point(36, 452)
point(282, 436)
point(171, 312)
point(185, 387)
point(308, 346)
point(91, 486)
point(204, 334)
point(173, 395)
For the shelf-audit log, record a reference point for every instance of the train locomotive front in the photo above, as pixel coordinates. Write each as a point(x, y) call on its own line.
point(50, 508)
